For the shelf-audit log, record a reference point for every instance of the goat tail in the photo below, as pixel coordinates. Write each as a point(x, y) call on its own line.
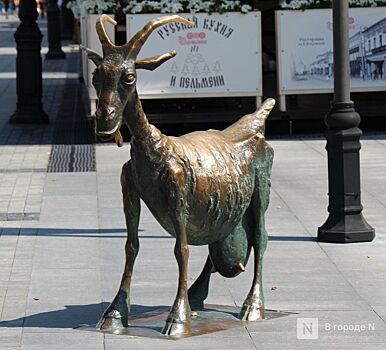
point(262, 115)
point(251, 124)
point(265, 109)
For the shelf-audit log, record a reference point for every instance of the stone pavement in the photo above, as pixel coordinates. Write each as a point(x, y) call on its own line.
point(62, 239)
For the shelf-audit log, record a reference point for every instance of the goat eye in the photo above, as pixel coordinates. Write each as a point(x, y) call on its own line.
point(129, 78)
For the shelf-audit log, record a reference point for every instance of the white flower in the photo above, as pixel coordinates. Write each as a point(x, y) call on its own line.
point(133, 7)
point(85, 7)
point(304, 4)
point(171, 6)
point(296, 4)
point(74, 7)
point(198, 6)
point(246, 8)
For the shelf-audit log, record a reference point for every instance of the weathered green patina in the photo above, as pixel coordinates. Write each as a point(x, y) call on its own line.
point(205, 188)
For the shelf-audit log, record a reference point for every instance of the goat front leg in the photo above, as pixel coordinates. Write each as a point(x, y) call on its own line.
point(116, 315)
point(253, 307)
point(179, 320)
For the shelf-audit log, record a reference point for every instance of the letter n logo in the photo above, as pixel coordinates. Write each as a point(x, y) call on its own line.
point(307, 328)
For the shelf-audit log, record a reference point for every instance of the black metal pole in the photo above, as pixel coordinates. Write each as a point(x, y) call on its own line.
point(345, 223)
point(29, 85)
point(54, 32)
point(67, 20)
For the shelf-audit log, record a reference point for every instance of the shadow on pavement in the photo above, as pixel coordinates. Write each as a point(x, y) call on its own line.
point(292, 238)
point(79, 233)
point(113, 233)
point(73, 316)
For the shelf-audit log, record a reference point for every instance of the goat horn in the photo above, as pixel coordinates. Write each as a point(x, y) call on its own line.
point(136, 42)
point(107, 44)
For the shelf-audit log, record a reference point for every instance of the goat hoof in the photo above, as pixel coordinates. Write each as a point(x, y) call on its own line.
point(110, 321)
point(251, 313)
point(173, 329)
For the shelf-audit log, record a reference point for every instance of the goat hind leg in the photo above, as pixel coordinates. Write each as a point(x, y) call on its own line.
point(116, 315)
point(198, 291)
point(253, 307)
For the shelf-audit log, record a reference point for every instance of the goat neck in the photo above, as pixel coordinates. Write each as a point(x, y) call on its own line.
point(135, 118)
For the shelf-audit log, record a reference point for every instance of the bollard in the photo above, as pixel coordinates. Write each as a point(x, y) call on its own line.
point(54, 32)
point(28, 39)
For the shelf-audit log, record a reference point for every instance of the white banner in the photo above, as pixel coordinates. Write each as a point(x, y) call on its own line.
point(220, 55)
point(305, 50)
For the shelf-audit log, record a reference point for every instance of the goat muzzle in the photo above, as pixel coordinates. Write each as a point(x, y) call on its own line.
point(108, 136)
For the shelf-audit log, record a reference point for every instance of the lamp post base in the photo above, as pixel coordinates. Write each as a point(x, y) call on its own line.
point(55, 51)
point(345, 223)
point(67, 21)
point(55, 54)
point(346, 229)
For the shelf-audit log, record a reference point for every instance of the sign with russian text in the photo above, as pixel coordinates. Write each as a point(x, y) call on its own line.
point(219, 56)
point(305, 50)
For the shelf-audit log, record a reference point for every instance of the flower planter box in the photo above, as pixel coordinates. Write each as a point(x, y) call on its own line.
point(89, 38)
point(219, 56)
point(305, 51)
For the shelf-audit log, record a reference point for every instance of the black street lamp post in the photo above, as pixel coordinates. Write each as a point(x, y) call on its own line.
point(28, 39)
point(67, 21)
point(345, 223)
point(54, 32)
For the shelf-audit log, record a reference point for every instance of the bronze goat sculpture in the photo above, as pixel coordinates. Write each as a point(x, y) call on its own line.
point(205, 188)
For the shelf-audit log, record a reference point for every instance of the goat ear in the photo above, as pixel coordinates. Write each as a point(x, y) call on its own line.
point(92, 55)
point(154, 62)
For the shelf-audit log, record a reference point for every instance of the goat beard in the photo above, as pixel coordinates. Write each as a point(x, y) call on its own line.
point(118, 138)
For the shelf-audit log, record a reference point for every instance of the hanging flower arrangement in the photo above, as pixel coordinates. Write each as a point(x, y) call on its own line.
point(87, 7)
point(190, 6)
point(317, 4)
